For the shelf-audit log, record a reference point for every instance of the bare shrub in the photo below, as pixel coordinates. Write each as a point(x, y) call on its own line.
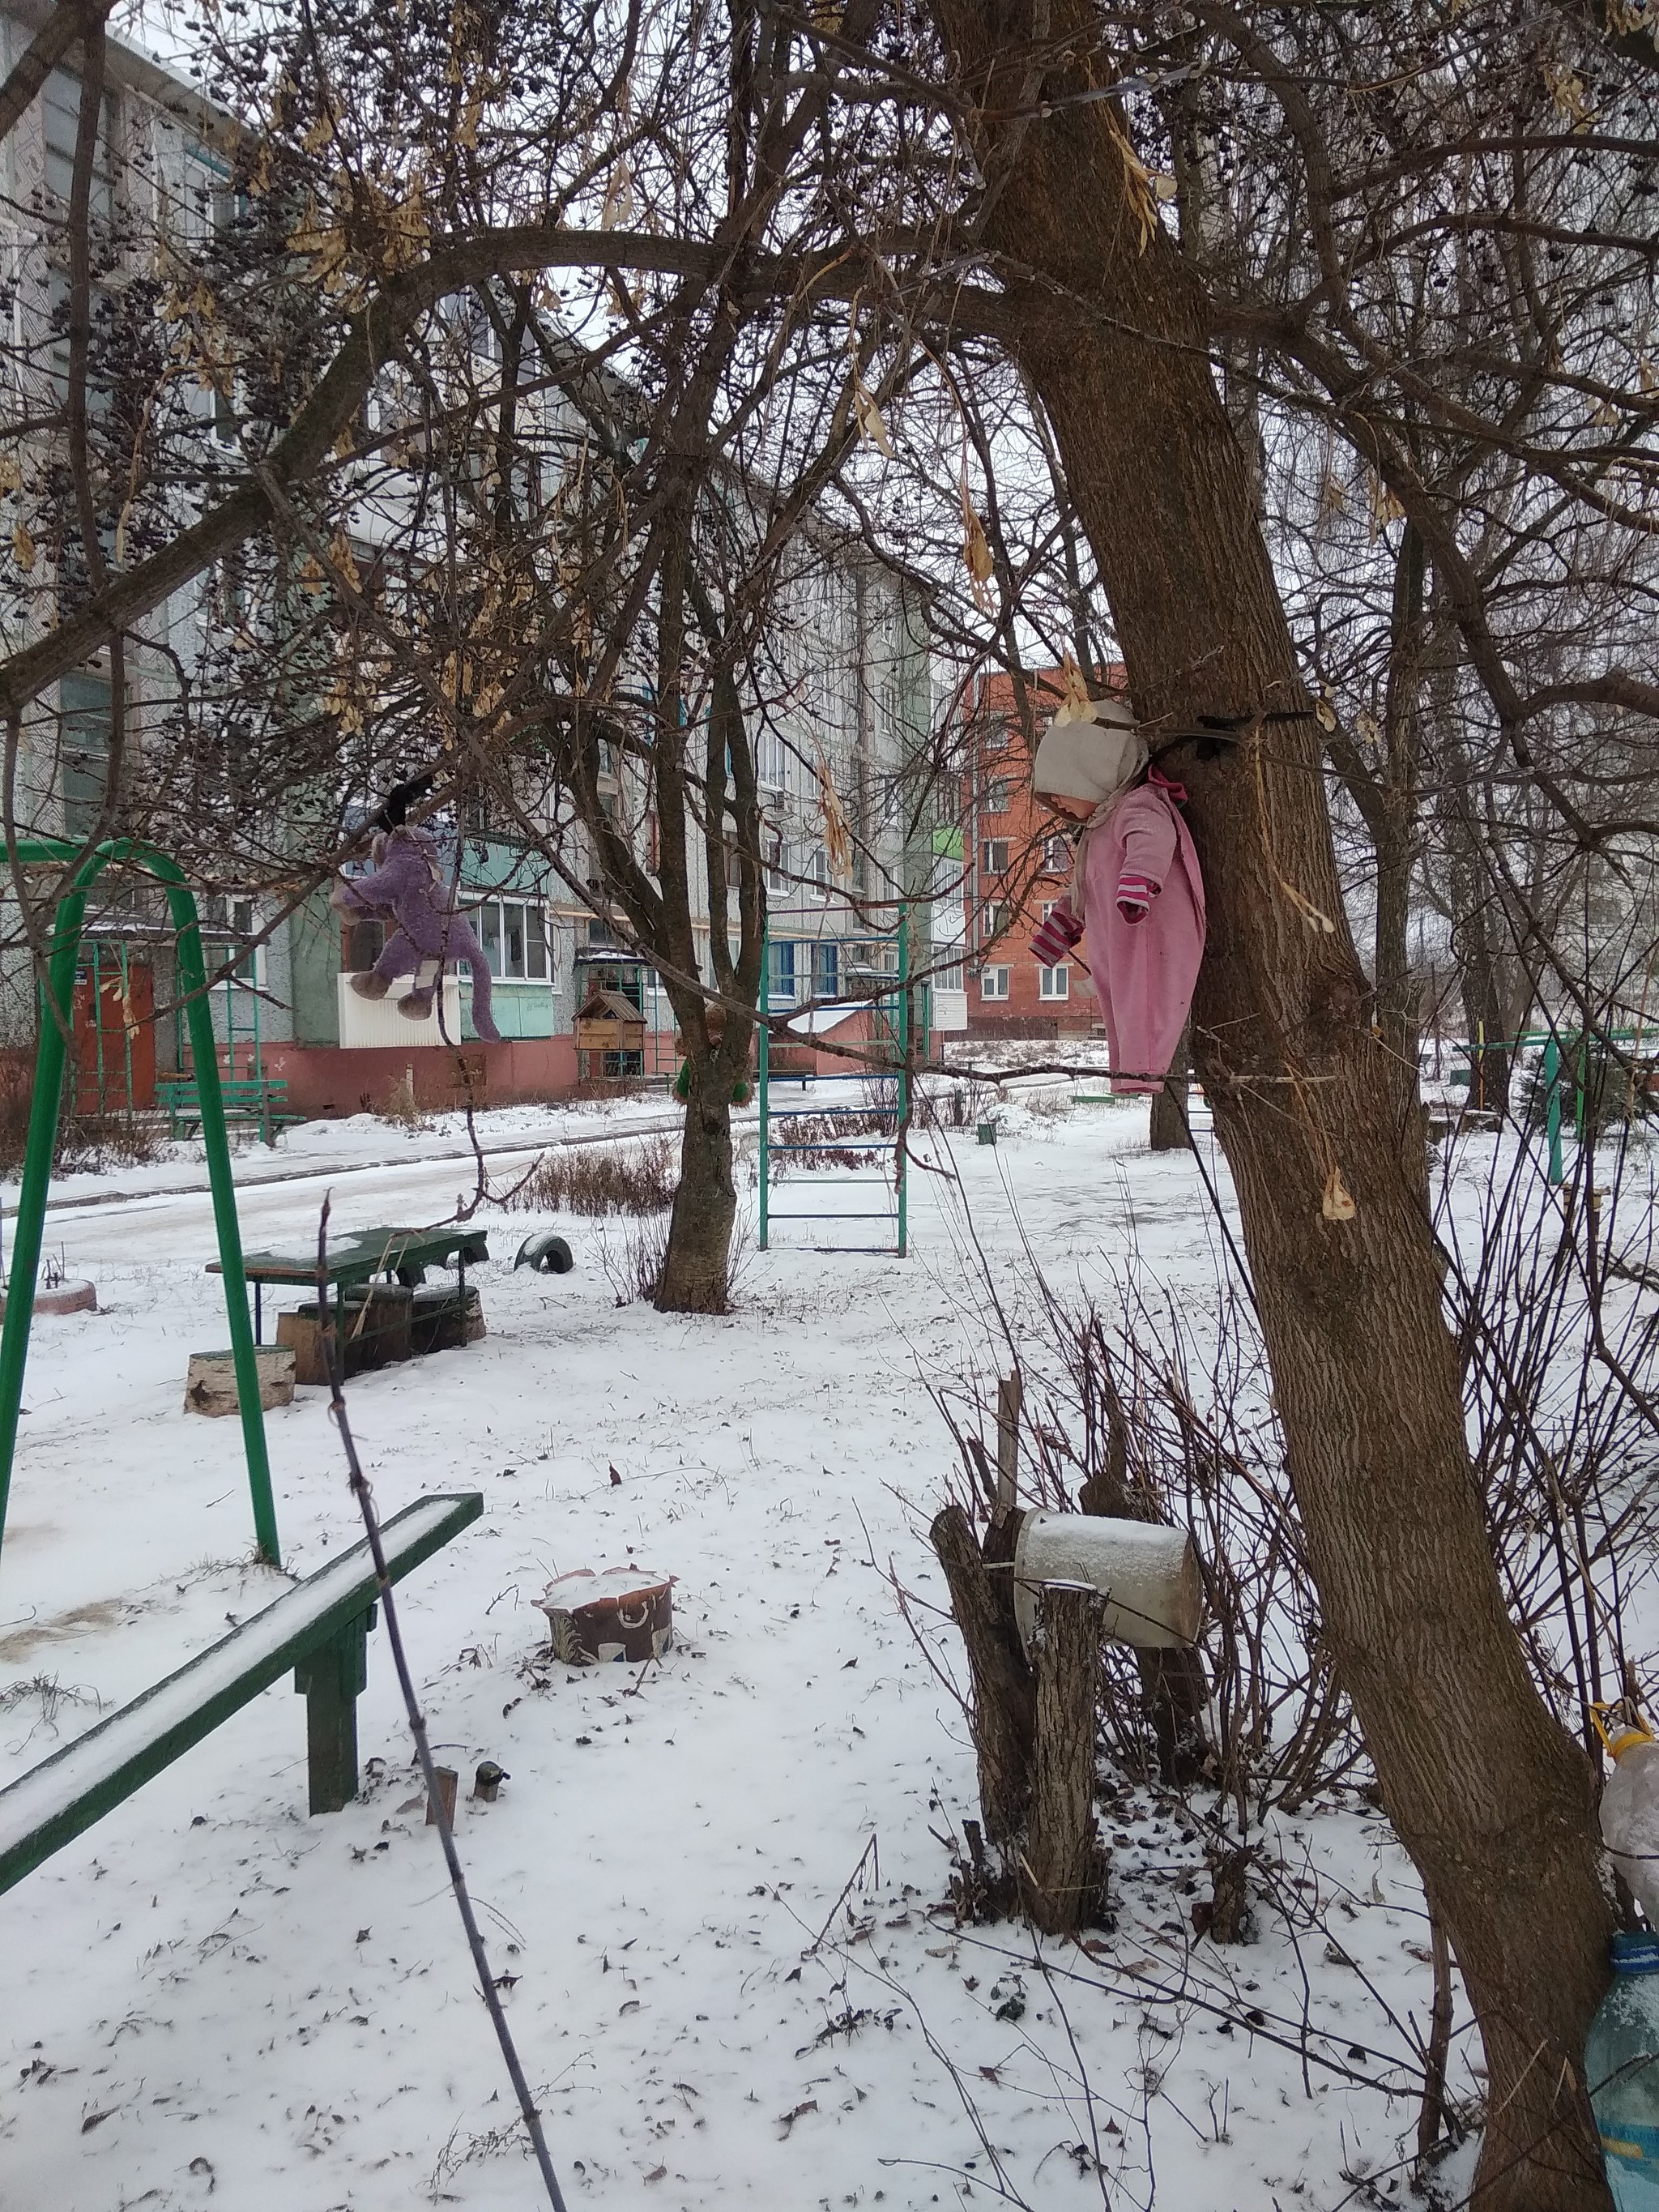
point(831, 1139)
point(87, 1143)
point(1555, 1296)
point(399, 1107)
point(1132, 1406)
point(637, 1176)
point(961, 1104)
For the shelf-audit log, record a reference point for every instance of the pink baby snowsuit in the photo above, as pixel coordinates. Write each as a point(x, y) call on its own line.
point(1143, 909)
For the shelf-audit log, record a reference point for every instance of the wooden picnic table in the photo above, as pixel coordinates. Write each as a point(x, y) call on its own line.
point(358, 1258)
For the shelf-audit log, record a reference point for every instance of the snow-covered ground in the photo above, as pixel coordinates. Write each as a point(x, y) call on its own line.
point(729, 1968)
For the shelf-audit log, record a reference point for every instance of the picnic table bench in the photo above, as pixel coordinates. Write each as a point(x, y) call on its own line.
point(352, 1260)
point(259, 1100)
point(318, 1628)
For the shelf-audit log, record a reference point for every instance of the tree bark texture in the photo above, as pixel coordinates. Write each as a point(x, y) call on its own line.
point(1487, 1793)
point(697, 1274)
point(1169, 1132)
point(1003, 1715)
point(1062, 1869)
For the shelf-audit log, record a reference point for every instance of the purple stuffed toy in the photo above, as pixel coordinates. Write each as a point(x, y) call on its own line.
point(408, 883)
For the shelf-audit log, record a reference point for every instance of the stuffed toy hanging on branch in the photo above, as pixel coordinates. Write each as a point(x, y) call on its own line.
point(409, 883)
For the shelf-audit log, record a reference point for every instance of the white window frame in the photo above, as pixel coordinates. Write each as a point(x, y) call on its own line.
point(478, 915)
point(994, 922)
point(818, 873)
point(989, 865)
point(993, 982)
point(1054, 982)
point(1057, 856)
point(996, 795)
point(227, 911)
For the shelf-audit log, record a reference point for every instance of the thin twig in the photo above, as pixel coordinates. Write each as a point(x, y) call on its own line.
point(365, 1497)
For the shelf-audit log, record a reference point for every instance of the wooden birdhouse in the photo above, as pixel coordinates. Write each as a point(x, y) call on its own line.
point(608, 1021)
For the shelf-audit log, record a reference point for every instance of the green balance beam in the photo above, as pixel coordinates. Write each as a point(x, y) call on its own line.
point(320, 1621)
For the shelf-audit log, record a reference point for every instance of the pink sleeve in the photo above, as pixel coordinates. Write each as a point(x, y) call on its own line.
point(1148, 830)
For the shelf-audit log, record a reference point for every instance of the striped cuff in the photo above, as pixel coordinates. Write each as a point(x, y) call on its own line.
point(1056, 936)
point(1135, 894)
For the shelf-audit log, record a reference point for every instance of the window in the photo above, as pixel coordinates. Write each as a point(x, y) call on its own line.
point(1054, 982)
point(776, 855)
point(514, 936)
point(234, 918)
point(993, 921)
point(994, 857)
point(83, 750)
point(996, 797)
point(61, 107)
point(818, 871)
point(1057, 856)
point(993, 982)
point(781, 974)
point(826, 970)
point(771, 762)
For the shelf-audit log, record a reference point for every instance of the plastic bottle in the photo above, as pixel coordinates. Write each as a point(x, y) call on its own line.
point(1630, 1815)
point(1621, 2063)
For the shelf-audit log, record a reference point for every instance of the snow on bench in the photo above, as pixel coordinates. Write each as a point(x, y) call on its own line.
point(318, 1628)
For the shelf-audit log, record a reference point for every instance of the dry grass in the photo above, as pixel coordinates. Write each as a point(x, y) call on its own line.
point(86, 1143)
point(636, 1177)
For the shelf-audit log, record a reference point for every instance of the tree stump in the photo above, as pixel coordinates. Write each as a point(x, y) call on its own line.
point(1003, 1716)
point(1062, 1871)
point(210, 1381)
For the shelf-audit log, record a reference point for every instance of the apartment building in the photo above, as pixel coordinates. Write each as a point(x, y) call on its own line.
point(847, 711)
point(1016, 864)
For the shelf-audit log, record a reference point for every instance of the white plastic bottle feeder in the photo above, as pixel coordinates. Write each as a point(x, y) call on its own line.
point(1147, 1573)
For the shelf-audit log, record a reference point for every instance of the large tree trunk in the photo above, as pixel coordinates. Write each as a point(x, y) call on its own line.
point(1169, 1132)
point(1488, 1794)
point(697, 1274)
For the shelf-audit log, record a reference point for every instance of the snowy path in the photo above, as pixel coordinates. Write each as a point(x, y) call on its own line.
point(212, 1993)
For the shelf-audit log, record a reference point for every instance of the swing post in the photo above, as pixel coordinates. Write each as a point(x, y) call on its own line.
point(58, 996)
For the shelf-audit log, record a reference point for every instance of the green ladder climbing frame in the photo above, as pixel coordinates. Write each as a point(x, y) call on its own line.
point(891, 1010)
point(57, 1002)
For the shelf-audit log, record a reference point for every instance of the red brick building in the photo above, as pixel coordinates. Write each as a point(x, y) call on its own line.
point(1017, 864)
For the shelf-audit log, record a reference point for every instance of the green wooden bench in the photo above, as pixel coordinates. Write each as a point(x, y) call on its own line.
point(318, 1628)
point(257, 1101)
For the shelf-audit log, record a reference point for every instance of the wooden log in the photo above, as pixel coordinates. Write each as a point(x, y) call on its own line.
point(210, 1380)
point(1002, 1714)
point(300, 1334)
point(1062, 1872)
point(446, 1778)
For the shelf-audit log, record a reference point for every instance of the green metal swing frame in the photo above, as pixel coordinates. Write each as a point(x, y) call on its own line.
point(56, 1000)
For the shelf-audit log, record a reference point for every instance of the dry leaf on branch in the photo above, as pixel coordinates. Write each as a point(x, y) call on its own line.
point(1076, 706)
point(867, 415)
point(1141, 192)
point(975, 551)
point(837, 833)
point(1385, 507)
